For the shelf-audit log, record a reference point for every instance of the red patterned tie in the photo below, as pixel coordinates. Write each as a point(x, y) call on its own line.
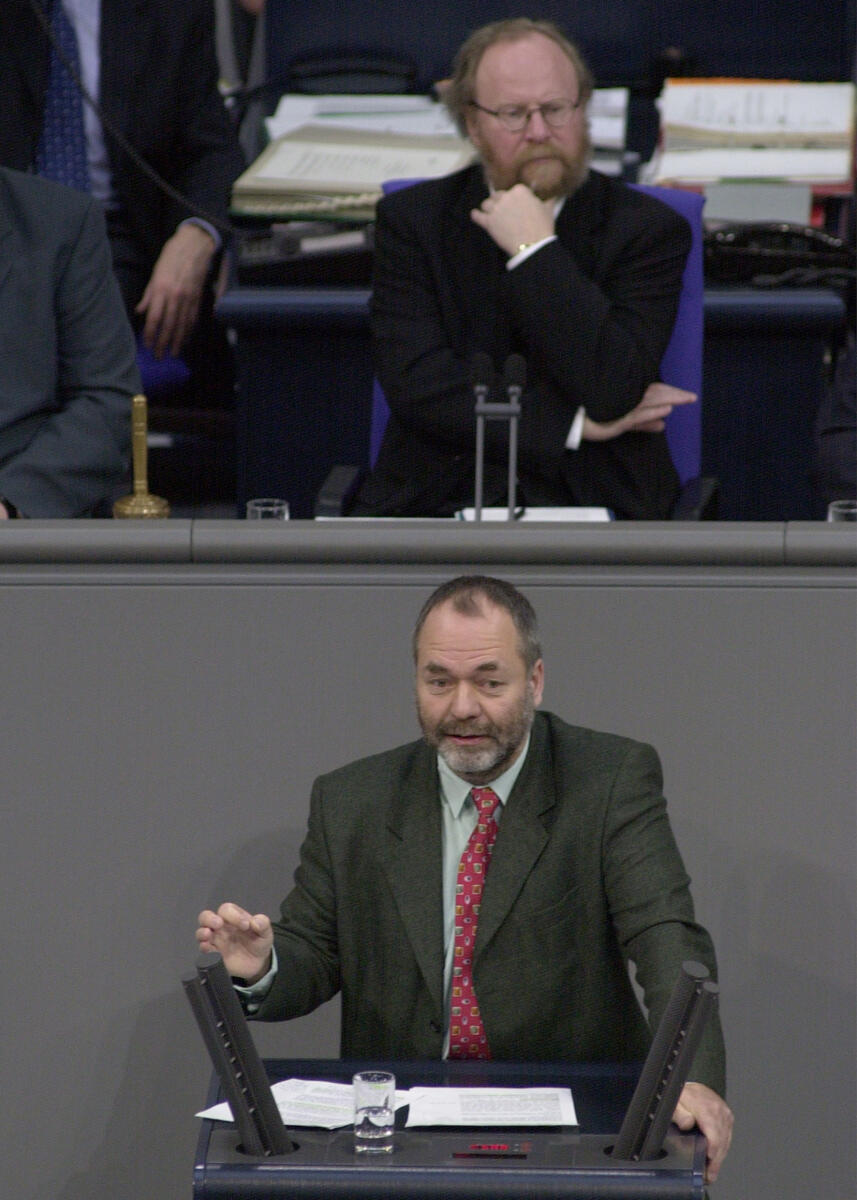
point(466, 1033)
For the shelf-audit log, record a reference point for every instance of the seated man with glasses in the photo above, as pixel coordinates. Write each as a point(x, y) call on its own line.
point(526, 251)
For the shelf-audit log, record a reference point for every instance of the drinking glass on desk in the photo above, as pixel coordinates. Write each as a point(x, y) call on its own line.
point(374, 1111)
point(842, 510)
point(267, 508)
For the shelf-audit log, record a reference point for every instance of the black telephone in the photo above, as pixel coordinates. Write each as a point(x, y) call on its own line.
point(768, 252)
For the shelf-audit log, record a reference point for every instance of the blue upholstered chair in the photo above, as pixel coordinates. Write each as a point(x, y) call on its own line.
point(681, 364)
point(160, 376)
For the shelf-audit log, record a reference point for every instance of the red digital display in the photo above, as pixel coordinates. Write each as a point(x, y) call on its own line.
point(495, 1150)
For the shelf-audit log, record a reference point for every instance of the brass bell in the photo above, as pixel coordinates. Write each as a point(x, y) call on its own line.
point(140, 503)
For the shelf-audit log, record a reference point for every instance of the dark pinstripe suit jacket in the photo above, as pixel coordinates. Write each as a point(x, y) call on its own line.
point(159, 85)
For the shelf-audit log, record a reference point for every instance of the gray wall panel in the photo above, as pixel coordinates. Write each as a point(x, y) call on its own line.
point(160, 733)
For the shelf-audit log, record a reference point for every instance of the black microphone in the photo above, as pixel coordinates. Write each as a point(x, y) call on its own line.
point(482, 381)
point(481, 375)
point(514, 377)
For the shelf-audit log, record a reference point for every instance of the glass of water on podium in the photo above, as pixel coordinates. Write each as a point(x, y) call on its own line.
point(374, 1112)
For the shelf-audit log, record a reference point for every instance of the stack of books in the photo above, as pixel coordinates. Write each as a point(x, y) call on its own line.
point(733, 129)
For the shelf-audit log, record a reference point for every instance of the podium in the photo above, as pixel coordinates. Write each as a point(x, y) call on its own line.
point(452, 1164)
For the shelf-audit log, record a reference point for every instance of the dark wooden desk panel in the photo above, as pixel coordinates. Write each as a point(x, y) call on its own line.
point(304, 392)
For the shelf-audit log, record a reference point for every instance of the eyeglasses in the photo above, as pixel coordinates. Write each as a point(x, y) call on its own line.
point(515, 117)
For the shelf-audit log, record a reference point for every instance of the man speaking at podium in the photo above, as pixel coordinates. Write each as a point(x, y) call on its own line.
point(527, 251)
point(480, 892)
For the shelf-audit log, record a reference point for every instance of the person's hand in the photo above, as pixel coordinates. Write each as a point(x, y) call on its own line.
point(659, 399)
point(515, 218)
point(698, 1106)
point(243, 941)
point(172, 296)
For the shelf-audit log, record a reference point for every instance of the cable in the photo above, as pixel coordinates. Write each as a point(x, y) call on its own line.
point(834, 277)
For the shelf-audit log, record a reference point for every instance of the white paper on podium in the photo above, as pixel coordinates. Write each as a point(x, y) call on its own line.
point(490, 1106)
point(537, 514)
point(312, 1103)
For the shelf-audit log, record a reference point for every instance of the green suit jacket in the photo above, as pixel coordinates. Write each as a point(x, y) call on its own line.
point(585, 875)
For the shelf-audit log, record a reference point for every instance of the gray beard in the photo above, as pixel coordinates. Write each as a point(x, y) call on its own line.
point(480, 766)
point(474, 762)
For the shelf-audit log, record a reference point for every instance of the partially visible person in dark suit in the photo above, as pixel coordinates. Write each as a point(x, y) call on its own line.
point(441, 947)
point(528, 251)
point(152, 68)
point(239, 29)
point(240, 36)
point(67, 357)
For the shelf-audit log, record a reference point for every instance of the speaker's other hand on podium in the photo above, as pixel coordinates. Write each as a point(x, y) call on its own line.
point(700, 1107)
point(242, 940)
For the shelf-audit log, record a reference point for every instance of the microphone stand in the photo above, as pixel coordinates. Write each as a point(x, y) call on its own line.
point(482, 377)
point(514, 378)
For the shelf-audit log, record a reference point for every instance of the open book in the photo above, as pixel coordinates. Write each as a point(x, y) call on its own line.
point(320, 170)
